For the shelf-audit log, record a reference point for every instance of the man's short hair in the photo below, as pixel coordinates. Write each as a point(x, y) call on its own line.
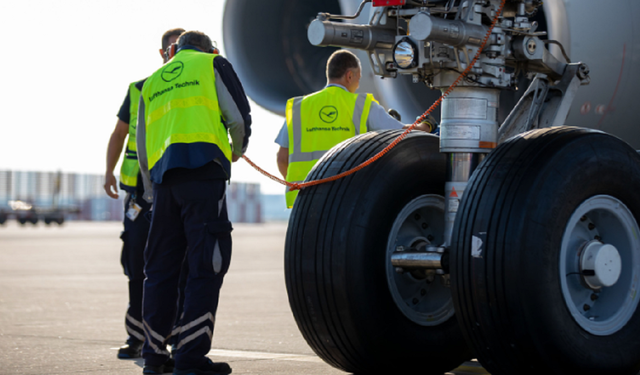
point(340, 62)
point(168, 34)
point(197, 39)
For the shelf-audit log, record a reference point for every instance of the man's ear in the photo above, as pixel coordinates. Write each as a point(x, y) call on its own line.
point(349, 75)
point(161, 53)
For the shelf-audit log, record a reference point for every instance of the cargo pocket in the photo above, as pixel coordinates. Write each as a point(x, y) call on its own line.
point(220, 231)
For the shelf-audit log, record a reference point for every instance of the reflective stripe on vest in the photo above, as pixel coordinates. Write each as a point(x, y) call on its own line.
point(181, 106)
point(316, 123)
point(130, 168)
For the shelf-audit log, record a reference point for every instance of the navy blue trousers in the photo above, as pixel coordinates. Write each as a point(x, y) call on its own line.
point(134, 240)
point(189, 217)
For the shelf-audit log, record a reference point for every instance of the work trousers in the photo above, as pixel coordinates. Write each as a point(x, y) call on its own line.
point(188, 217)
point(134, 240)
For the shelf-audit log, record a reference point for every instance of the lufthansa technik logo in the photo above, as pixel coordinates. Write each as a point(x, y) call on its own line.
point(328, 114)
point(172, 71)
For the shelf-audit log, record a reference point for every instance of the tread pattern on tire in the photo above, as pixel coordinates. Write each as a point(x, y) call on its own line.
point(329, 319)
point(501, 309)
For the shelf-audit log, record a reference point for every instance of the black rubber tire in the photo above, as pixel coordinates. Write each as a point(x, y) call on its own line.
point(508, 295)
point(48, 220)
point(335, 260)
point(22, 220)
point(60, 221)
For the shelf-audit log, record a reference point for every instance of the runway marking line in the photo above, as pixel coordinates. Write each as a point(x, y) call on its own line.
point(471, 367)
point(265, 355)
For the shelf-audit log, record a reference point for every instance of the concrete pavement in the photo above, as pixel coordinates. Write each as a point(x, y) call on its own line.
point(63, 297)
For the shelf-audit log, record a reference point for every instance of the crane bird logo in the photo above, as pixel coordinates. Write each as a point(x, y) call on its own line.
point(328, 114)
point(172, 71)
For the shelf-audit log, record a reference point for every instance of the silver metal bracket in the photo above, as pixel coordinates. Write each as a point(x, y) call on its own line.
point(545, 105)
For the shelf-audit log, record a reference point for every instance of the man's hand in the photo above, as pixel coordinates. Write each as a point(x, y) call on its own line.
point(111, 185)
point(423, 126)
point(235, 158)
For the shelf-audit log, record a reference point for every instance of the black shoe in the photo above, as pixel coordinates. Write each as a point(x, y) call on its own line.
point(131, 349)
point(210, 368)
point(167, 367)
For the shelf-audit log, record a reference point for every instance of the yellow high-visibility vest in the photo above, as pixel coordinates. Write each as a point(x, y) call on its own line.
point(182, 116)
point(316, 123)
point(130, 167)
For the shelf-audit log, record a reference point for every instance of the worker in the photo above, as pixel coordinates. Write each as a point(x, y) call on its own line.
point(317, 122)
point(187, 112)
point(136, 226)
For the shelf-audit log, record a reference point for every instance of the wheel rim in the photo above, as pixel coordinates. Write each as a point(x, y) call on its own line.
point(607, 309)
point(424, 298)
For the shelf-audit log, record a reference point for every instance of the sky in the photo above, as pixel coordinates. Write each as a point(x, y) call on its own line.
point(67, 65)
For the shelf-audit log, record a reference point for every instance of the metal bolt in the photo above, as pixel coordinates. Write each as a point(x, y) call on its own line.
point(416, 216)
point(594, 296)
point(597, 238)
point(531, 46)
point(583, 218)
point(415, 301)
point(430, 237)
point(592, 226)
point(586, 307)
point(425, 225)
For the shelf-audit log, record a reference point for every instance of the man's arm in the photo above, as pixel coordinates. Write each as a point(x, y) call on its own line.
point(283, 161)
point(234, 105)
point(379, 119)
point(282, 157)
point(141, 145)
point(114, 149)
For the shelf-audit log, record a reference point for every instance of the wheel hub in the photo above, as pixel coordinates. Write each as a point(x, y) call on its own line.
point(421, 294)
point(601, 265)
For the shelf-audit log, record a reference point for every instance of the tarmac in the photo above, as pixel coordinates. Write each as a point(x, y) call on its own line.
point(63, 297)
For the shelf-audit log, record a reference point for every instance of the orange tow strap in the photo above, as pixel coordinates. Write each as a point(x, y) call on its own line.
point(297, 186)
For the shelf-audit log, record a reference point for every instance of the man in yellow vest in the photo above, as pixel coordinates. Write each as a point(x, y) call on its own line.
point(188, 110)
point(136, 226)
point(317, 122)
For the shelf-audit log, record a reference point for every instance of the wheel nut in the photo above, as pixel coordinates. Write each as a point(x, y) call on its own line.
point(594, 296)
point(425, 225)
point(415, 301)
point(586, 307)
point(592, 226)
point(416, 216)
point(430, 237)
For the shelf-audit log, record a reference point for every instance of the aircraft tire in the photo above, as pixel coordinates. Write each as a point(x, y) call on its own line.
point(22, 220)
point(336, 264)
point(524, 297)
